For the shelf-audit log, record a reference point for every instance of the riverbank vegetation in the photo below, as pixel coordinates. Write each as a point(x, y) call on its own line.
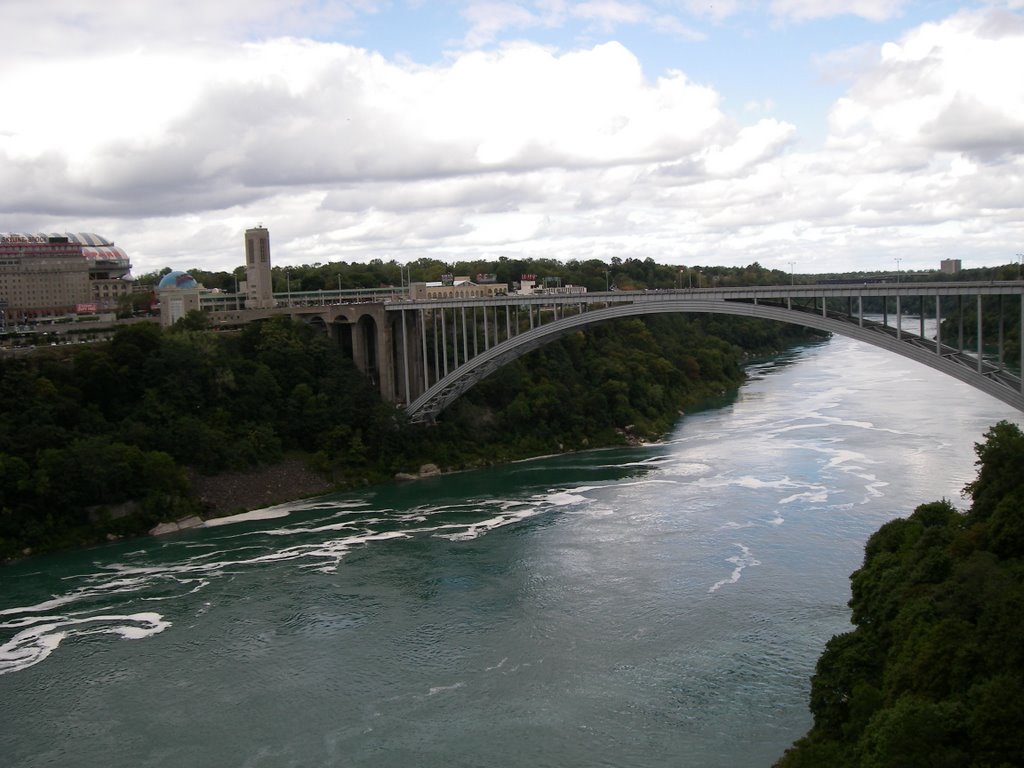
point(101, 441)
point(932, 674)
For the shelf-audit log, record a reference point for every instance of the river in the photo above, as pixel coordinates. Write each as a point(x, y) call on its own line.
point(653, 606)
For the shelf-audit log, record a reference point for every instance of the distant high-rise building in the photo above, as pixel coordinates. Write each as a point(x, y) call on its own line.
point(259, 288)
point(950, 266)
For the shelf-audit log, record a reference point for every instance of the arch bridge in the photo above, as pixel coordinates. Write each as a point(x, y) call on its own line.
point(424, 354)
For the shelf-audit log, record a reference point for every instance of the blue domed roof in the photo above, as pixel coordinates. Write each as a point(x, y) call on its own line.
point(177, 280)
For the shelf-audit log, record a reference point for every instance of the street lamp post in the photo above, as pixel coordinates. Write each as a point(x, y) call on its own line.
point(792, 279)
point(898, 260)
point(1020, 260)
point(288, 284)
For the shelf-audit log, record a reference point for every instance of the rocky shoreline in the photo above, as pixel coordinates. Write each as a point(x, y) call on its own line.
point(233, 492)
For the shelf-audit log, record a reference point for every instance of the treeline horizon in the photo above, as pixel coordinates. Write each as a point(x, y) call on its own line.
point(593, 274)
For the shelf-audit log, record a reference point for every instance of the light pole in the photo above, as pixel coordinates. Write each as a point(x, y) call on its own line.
point(898, 260)
point(1020, 260)
point(792, 279)
point(606, 273)
point(288, 284)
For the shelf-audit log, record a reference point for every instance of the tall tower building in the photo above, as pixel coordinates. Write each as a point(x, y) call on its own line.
point(259, 288)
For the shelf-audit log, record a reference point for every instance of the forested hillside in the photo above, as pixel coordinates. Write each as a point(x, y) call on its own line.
point(97, 442)
point(933, 673)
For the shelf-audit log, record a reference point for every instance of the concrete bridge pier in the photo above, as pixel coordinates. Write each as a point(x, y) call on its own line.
point(405, 362)
point(383, 347)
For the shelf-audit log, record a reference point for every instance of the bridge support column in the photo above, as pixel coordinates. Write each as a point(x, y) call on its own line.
point(960, 340)
point(979, 335)
point(1000, 331)
point(386, 360)
point(359, 348)
point(406, 363)
point(425, 360)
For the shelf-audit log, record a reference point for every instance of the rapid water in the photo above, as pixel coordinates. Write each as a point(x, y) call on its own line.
point(653, 606)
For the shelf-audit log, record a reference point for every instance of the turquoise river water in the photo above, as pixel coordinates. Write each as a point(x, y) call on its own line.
point(653, 606)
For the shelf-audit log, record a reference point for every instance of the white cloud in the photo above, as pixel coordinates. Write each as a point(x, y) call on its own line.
point(610, 13)
point(751, 146)
point(717, 10)
point(945, 86)
point(489, 19)
point(56, 28)
point(803, 10)
point(174, 149)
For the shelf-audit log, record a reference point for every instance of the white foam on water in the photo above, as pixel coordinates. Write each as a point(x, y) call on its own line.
point(244, 517)
point(35, 643)
point(200, 583)
point(750, 482)
point(444, 688)
point(56, 602)
point(95, 602)
point(741, 561)
point(563, 498)
point(818, 496)
point(688, 468)
point(475, 530)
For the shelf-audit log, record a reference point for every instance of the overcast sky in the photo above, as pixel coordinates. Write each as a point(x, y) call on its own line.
point(830, 135)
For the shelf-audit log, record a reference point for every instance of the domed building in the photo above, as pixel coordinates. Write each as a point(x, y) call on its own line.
point(178, 293)
point(177, 280)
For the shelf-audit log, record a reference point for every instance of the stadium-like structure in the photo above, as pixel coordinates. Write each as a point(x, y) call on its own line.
point(55, 272)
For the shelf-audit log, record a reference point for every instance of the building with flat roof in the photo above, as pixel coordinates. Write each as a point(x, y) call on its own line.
point(47, 273)
point(259, 288)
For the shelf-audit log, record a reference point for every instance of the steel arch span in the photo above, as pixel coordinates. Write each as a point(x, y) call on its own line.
point(964, 367)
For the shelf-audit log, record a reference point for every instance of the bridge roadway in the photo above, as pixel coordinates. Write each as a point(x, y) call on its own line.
point(425, 353)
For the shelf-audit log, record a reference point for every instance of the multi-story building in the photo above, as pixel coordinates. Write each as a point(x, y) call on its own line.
point(57, 273)
point(455, 287)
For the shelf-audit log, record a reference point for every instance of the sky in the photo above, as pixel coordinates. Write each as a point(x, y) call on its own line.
point(805, 135)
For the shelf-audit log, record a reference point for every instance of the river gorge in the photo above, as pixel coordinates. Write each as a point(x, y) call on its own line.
point(661, 605)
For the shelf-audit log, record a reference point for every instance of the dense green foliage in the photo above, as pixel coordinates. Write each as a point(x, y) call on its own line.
point(594, 274)
point(933, 673)
point(100, 440)
point(110, 429)
point(625, 380)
